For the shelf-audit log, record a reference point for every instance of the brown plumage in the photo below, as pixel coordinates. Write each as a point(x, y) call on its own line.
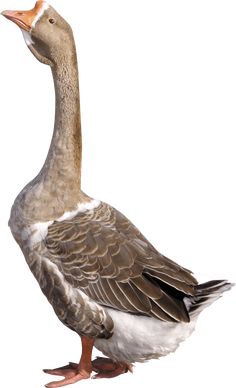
point(102, 277)
point(118, 269)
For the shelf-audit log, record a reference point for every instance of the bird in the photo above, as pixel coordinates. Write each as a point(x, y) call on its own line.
point(103, 278)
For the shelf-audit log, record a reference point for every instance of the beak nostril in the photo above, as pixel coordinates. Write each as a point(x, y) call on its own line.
point(20, 13)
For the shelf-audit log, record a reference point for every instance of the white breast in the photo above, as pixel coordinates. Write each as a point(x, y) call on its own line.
point(137, 338)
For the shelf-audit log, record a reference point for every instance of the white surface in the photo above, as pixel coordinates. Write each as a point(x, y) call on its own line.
point(27, 37)
point(135, 337)
point(158, 100)
point(37, 231)
point(81, 208)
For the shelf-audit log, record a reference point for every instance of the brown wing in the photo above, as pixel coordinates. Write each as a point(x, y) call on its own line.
point(103, 253)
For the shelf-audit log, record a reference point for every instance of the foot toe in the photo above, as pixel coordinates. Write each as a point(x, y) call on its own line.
point(102, 364)
point(67, 371)
point(108, 369)
point(67, 381)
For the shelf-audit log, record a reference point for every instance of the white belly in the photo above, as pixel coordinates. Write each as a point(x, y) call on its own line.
point(138, 338)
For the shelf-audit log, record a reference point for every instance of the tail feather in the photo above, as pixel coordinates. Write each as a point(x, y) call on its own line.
point(206, 294)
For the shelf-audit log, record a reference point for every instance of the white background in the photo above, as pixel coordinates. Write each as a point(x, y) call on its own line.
point(158, 100)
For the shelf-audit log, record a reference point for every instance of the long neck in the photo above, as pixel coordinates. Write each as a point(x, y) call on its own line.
point(64, 156)
point(57, 188)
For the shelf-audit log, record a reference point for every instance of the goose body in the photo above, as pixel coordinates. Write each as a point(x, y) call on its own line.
point(102, 277)
point(85, 295)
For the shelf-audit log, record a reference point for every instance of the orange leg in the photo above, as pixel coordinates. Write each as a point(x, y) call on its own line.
point(73, 373)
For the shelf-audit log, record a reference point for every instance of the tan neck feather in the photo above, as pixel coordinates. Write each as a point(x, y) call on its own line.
point(57, 188)
point(65, 153)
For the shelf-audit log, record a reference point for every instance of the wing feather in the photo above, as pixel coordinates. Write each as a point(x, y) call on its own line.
point(101, 252)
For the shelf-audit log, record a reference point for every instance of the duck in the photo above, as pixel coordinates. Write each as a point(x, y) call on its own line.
point(102, 277)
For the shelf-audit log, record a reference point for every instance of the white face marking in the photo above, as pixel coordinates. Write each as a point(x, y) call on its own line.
point(44, 7)
point(27, 37)
point(26, 34)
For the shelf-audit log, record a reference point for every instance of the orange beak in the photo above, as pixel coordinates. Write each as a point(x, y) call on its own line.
point(24, 19)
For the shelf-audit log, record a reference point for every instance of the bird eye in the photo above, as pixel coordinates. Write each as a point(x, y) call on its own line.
point(52, 21)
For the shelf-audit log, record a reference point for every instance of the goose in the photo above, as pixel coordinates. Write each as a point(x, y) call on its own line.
point(103, 278)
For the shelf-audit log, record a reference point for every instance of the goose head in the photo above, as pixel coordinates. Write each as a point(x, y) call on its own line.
point(46, 33)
